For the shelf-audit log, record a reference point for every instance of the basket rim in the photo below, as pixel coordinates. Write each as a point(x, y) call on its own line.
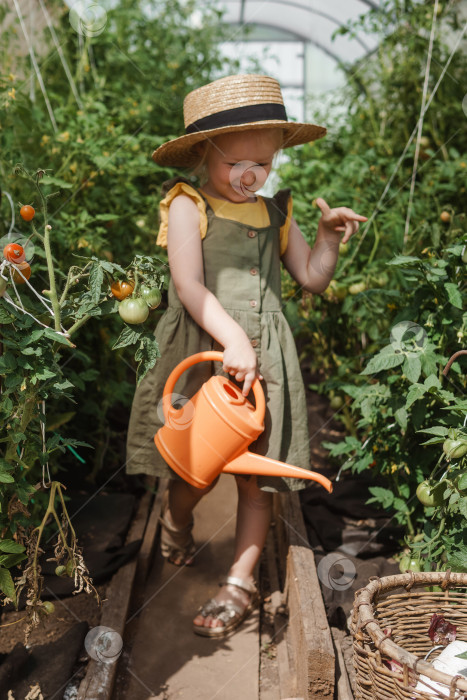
point(363, 618)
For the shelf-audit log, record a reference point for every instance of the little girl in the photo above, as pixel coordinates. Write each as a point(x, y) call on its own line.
point(225, 245)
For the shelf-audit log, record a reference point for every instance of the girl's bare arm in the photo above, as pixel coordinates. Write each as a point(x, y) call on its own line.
point(187, 270)
point(313, 268)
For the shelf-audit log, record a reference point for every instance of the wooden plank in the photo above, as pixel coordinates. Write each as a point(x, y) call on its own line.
point(308, 631)
point(100, 676)
point(344, 691)
point(286, 686)
point(146, 551)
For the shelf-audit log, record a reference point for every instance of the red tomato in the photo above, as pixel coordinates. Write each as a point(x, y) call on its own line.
point(14, 252)
point(122, 290)
point(21, 271)
point(27, 212)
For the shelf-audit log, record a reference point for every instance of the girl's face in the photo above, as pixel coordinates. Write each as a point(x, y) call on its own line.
point(238, 164)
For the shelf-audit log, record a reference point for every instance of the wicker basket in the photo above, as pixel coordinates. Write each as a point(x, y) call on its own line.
point(390, 621)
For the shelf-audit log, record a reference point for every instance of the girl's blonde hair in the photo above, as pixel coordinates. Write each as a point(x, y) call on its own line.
point(200, 170)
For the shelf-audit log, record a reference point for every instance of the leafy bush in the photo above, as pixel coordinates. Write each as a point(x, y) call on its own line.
point(394, 314)
point(96, 192)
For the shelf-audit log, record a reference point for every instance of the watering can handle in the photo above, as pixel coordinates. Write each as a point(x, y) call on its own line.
point(208, 355)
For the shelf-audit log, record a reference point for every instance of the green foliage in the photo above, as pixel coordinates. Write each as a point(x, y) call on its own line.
point(130, 81)
point(102, 189)
point(382, 332)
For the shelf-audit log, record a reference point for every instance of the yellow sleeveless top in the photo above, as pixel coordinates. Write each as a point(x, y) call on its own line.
point(253, 214)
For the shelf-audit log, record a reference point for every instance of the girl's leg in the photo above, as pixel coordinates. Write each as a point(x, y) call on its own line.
point(253, 520)
point(177, 519)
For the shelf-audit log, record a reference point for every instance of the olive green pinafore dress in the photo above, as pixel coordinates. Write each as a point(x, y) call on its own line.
point(242, 269)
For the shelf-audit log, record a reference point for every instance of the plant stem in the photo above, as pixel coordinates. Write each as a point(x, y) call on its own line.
point(50, 511)
point(53, 287)
point(50, 265)
point(78, 324)
point(375, 244)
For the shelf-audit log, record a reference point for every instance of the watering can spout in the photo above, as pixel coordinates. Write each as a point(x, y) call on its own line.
point(252, 463)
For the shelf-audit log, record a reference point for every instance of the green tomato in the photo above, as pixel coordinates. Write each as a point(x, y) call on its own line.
point(336, 403)
point(70, 568)
point(408, 564)
point(337, 290)
point(151, 295)
point(3, 286)
point(382, 280)
point(133, 310)
point(464, 255)
point(60, 570)
point(455, 449)
point(427, 495)
point(357, 288)
point(343, 248)
point(48, 607)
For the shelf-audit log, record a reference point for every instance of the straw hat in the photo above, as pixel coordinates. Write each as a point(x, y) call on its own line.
point(234, 103)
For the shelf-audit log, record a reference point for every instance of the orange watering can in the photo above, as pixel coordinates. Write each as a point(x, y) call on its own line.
point(210, 433)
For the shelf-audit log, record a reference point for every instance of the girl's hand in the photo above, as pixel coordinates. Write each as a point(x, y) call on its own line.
point(339, 219)
point(241, 362)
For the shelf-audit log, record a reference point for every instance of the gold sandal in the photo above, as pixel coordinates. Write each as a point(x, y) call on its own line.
point(177, 544)
point(231, 614)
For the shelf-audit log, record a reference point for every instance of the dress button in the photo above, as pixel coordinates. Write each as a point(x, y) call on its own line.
point(253, 271)
point(254, 343)
point(251, 234)
point(253, 302)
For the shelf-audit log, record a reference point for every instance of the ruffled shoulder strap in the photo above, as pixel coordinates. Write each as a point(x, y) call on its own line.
point(171, 189)
point(280, 213)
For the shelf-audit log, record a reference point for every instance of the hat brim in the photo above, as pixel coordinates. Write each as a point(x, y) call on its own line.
point(180, 152)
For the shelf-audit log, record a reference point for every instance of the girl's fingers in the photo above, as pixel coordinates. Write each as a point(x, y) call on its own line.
point(324, 206)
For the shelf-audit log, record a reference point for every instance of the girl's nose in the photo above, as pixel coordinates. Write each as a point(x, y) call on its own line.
point(248, 178)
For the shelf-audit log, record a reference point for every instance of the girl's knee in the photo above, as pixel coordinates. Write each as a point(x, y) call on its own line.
point(201, 491)
point(248, 489)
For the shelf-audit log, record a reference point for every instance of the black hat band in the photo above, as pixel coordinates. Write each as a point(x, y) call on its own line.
point(238, 116)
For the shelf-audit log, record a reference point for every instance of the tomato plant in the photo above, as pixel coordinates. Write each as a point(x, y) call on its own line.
point(100, 178)
point(32, 373)
point(384, 345)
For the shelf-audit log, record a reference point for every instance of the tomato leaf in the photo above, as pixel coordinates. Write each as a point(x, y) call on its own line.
point(454, 294)
point(5, 317)
point(383, 360)
point(381, 495)
point(402, 260)
point(11, 546)
point(415, 392)
point(49, 180)
point(10, 560)
point(6, 584)
point(128, 336)
point(412, 368)
point(96, 277)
